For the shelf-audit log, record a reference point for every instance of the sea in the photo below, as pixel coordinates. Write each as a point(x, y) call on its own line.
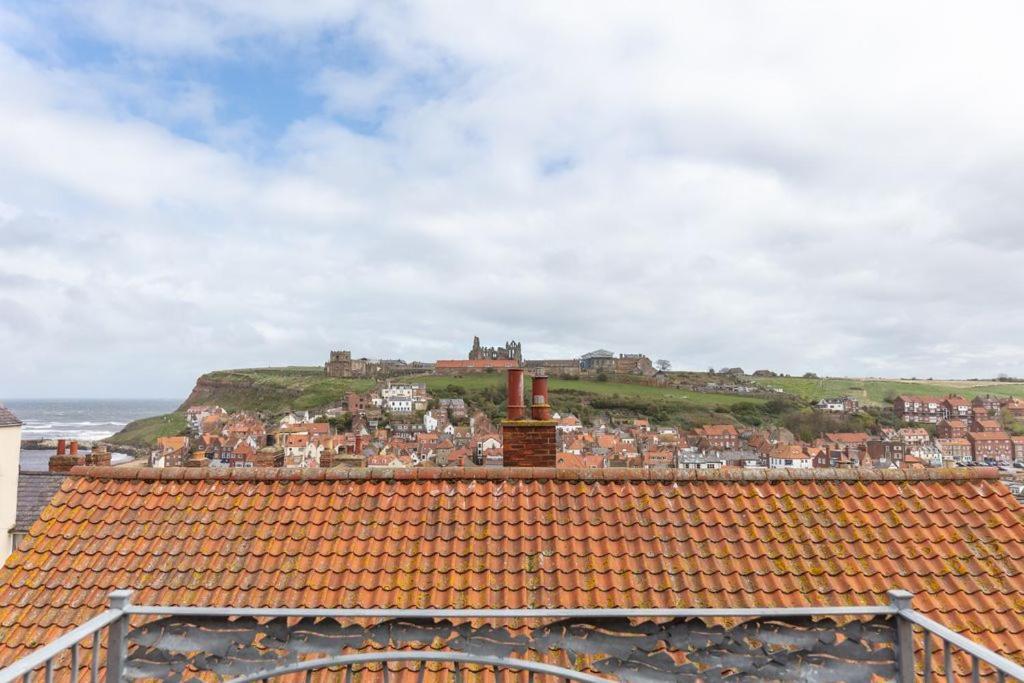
point(82, 419)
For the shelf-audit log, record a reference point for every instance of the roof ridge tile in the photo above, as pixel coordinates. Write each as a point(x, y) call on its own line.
point(625, 474)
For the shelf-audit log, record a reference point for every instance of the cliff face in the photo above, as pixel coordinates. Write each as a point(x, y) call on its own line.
point(267, 390)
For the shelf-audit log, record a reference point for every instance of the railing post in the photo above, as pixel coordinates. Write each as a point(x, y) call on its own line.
point(117, 651)
point(901, 599)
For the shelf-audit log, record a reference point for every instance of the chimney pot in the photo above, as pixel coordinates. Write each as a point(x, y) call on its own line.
point(516, 409)
point(74, 448)
point(61, 446)
point(539, 408)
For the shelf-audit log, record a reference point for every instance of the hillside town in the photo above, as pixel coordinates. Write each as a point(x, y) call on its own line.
point(399, 424)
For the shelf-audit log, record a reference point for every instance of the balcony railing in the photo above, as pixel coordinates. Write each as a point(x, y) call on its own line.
point(856, 643)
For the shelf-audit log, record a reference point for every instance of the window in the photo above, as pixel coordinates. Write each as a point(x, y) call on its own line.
point(16, 538)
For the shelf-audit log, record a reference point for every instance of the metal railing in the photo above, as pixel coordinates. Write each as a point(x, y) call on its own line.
point(922, 648)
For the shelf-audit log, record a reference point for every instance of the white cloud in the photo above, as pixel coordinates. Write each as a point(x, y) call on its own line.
point(795, 186)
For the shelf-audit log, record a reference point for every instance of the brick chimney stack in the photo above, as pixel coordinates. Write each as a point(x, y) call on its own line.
point(62, 461)
point(99, 455)
point(528, 442)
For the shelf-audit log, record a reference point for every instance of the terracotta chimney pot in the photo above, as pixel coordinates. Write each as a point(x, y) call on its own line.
point(539, 407)
point(516, 410)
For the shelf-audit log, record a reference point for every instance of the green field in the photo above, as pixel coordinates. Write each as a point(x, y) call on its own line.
point(624, 389)
point(273, 390)
point(876, 391)
point(144, 433)
point(592, 399)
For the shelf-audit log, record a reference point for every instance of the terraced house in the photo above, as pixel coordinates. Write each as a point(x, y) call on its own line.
point(927, 409)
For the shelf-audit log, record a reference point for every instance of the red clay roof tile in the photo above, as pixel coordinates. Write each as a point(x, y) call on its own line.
point(527, 538)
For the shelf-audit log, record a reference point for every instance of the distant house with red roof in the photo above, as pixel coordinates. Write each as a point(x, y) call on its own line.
point(951, 428)
point(957, 407)
point(569, 423)
point(1014, 407)
point(793, 455)
point(722, 437)
point(170, 451)
point(989, 446)
point(926, 409)
point(659, 459)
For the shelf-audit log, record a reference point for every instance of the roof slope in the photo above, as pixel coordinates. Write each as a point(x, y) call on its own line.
point(35, 489)
point(521, 538)
point(7, 418)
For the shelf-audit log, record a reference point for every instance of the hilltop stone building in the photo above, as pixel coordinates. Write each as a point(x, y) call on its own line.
point(342, 364)
point(603, 361)
point(512, 350)
point(554, 367)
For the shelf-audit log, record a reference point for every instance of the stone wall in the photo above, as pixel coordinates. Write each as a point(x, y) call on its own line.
point(553, 368)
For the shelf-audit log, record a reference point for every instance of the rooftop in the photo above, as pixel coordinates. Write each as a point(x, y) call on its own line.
point(513, 538)
point(7, 418)
point(35, 489)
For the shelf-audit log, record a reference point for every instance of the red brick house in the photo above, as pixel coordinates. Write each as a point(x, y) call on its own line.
point(927, 409)
point(957, 407)
point(958, 449)
point(991, 446)
point(951, 428)
point(1013, 407)
point(988, 402)
point(717, 437)
point(847, 439)
point(986, 425)
point(1018, 447)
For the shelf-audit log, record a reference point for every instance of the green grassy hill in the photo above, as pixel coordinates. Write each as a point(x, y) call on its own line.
point(610, 388)
point(272, 390)
point(277, 390)
point(144, 433)
point(267, 390)
point(617, 399)
point(875, 391)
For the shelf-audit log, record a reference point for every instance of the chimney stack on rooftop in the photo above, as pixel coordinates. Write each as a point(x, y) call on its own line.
point(99, 455)
point(62, 461)
point(528, 442)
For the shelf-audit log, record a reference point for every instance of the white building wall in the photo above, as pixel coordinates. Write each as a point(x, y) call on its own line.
point(10, 451)
point(785, 463)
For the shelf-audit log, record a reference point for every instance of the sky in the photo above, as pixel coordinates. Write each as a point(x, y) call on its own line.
point(799, 186)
